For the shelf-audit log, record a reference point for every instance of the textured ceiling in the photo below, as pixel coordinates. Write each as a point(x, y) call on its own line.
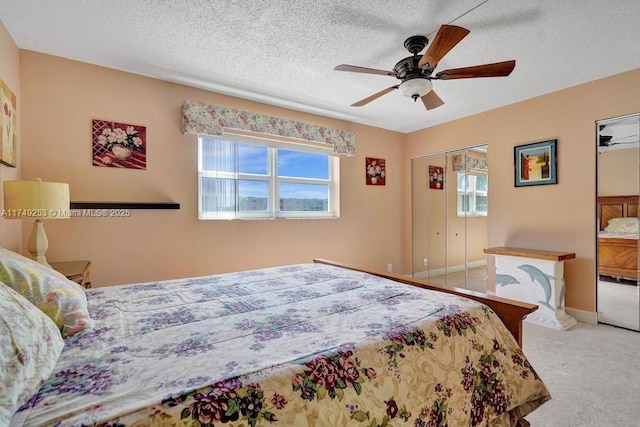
point(283, 52)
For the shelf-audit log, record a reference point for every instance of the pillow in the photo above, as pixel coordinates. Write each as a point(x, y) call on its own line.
point(622, 225)
point(30, 344)
point(59, 298)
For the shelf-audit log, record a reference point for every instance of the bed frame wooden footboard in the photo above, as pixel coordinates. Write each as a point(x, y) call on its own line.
point(509, 311)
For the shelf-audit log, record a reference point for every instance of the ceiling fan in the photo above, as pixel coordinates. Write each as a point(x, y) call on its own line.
point(609, 140)
point(416, 72)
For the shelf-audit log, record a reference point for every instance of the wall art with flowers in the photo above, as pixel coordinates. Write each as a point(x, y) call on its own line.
point(8, 127)
point(119, 145)
point(436, 177)
point(376, 171)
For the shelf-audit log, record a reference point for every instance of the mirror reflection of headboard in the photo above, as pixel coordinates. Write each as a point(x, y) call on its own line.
point(616, 207)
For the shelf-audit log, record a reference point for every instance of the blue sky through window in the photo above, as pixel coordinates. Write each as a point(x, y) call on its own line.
point(297, 164)
point(290, 190)
point(252, 159)
point(248, 188)
point(302, 165)
point(240, 180)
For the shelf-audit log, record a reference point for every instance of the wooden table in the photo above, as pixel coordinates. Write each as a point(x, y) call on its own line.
point(78, 271)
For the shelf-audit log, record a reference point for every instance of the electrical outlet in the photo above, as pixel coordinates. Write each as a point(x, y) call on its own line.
point(425, 262)
point(389, 267)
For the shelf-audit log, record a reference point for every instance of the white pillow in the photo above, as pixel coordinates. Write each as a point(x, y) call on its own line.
point(627, 225)
point(61, 299)
point(30, 344)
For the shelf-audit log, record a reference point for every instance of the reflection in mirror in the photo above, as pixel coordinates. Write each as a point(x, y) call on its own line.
point(456, 271)
point(618, 297)
point(420, 218)
point(449, 211)
point(436, 242)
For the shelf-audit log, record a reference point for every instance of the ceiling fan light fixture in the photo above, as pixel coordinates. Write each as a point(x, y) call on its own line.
point(416, 88)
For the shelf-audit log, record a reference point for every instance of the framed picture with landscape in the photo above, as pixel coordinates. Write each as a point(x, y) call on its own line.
point(536, 164)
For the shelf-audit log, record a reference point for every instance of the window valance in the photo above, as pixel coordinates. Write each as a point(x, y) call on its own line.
point(463, 163)
point(201, 118)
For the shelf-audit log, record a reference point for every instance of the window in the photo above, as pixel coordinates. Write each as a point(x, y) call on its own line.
point(242, 178)
point(472, 194)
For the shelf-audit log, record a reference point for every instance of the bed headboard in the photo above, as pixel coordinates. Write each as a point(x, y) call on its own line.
point(616, 207)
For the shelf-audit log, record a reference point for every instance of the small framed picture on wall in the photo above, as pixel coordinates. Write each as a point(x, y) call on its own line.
point(119, 145)
point(436, 177)
point(376, 173)
point(535, 164)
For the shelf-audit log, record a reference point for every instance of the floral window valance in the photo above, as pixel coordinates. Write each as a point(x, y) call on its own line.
point(462, 163)
point(201, 118)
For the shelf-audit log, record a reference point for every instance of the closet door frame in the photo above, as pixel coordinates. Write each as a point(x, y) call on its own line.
point(617, 298)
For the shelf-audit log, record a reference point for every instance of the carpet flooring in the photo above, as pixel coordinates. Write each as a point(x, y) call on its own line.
point(618, 304)
point(591, 371)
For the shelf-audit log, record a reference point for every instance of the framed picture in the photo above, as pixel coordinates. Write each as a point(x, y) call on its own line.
point(436, 177)
point(536, 164)
point(376, 173)
point(8, 126)
point(119, 145)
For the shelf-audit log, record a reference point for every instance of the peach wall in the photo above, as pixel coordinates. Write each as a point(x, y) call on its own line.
point(60, 97)
point(10, 75)
point(555, 217)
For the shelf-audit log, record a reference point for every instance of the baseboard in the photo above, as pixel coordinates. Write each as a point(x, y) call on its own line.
point(582, 316)
point(452, 269)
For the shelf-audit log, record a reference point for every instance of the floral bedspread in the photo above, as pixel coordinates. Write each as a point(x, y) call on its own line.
point(301, 345)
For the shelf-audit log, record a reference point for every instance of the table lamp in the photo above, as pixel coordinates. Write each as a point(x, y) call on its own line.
point(36, 200)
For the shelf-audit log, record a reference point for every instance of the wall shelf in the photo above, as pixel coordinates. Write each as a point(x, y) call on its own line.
point(124, 205)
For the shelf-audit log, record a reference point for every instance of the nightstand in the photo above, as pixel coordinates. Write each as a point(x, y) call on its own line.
point(78, 271)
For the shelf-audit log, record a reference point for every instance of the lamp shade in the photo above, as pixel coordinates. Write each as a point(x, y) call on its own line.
point(36, 200)
point(416, 88)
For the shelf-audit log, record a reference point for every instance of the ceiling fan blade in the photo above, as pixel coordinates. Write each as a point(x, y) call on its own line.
point(374, 96)
point(356, 69)
point(448, 36)
point(431, 100)
point(497, 69)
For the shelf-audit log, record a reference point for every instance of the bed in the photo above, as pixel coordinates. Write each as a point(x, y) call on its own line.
point(316, 344)
point(618, 237)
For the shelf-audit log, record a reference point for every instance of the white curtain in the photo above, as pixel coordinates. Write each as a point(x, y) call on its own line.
point(218, 179)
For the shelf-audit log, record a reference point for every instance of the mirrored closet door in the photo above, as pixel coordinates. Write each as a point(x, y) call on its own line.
point(618, 188)
point(449, 211)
